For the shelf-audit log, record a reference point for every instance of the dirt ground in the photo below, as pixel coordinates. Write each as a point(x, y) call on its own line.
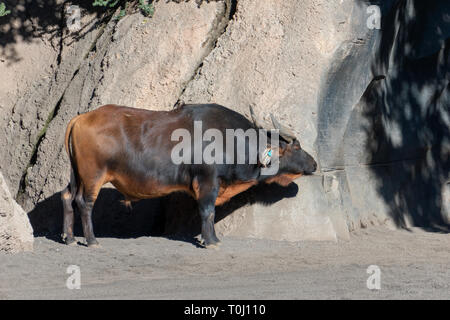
point(413, 264)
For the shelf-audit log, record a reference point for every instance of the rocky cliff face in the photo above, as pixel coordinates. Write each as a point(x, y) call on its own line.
point(371, 106)
point(16, 233)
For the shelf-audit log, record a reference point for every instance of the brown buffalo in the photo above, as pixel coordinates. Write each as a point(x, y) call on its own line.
point(131, 148)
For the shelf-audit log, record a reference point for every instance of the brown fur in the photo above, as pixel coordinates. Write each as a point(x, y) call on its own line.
point(228, 192)
point(87, 139)
point(283, 179)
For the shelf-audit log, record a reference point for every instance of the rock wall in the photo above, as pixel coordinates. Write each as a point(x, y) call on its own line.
point(383, 118)
point(16, 233)
point(370, 105)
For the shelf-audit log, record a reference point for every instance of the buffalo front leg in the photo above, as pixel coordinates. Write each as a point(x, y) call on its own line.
point(206, 198)
point(207, 214)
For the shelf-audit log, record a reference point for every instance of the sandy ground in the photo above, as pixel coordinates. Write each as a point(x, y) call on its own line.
point(413, 265)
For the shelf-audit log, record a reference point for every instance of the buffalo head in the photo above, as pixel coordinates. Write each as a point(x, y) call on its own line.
point(293, 160)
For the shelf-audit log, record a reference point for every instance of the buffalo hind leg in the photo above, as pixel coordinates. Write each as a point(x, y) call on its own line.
point(85, 204)
point(67, 200)
point(206, 198)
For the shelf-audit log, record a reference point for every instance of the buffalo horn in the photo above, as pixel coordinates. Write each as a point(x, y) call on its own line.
point(286, 133)
point(255, 118)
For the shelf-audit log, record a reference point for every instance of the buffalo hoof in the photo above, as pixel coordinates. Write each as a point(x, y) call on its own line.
point(211, 244)
point(70, 241)
point(218, 243)
point(214, 246)
point(93, 244)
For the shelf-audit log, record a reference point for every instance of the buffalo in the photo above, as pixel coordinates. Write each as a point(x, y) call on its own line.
point(134, 150)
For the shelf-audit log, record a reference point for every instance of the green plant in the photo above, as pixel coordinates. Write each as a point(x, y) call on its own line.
point(106, 3)
point(121, 14)
point(145, 6)
point(3, 11)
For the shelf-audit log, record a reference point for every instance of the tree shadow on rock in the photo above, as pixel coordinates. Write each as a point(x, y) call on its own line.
point(407, 112)
point(33, 20)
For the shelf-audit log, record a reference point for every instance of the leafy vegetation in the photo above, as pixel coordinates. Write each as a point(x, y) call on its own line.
point(3, 11)
point(145, 6)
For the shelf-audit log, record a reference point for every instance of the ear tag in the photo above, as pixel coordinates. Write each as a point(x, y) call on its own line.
point(266, 157)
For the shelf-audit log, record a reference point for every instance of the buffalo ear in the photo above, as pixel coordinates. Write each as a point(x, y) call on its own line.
point(283, 148)
point(286, 133)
